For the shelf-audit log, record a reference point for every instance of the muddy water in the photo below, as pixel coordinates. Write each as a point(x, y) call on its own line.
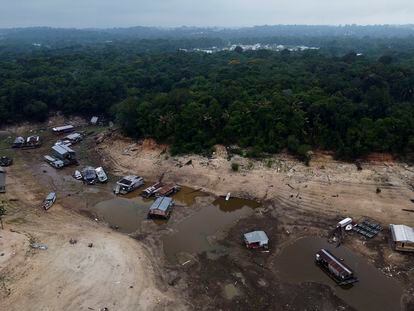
point(124, 213)
point(187, 196)
point(195, 234)
point(374, 291)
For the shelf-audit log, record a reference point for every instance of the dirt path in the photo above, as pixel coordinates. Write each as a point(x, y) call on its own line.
point(115, 273)
point(326, 186)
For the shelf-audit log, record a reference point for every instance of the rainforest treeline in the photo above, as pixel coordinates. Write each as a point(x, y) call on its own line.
point(261, 101)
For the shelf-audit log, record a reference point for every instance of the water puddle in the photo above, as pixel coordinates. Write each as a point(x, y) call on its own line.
point(126, 214)
point(187, 196)
point(374, 291)
point(234, 204)
point(195, 234)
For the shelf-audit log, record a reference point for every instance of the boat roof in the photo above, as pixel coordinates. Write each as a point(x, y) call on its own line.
point(402, 233)
point(73, 136)
point(62, 128)
point(161, 203)
point(256, 237)
point(128, 180)
point(334, 261)
point(62, 149)
point(50, 196)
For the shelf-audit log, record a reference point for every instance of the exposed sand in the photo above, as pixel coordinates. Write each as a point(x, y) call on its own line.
point(327, 186)
point(115, 273)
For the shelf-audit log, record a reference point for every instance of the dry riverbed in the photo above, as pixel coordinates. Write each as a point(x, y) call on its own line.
point(196, 260)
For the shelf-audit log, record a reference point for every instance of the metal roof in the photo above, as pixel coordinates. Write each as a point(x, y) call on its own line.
point(62, 149)
point(73, 136)
point(256, 237)
point(50, 196)
point(402, 233)
point(63, 128)
point(19, 140)
point(161, 203)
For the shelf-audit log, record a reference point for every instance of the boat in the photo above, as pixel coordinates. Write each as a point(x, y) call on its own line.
point(228, 196)
point(128, 184)
point(49, 201)
point(89, 175)
point(338, 271)
point(100, 173)
point(168, 190)
point(77, 175)
point(152, 190)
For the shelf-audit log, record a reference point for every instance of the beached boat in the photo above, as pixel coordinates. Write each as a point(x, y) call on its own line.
point(77, 175)
point(49, 201)
point(152, 190)
point(102, 177)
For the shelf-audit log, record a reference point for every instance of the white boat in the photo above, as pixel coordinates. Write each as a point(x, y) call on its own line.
point(101, 174)
point(49, 201)
point(228, 196)
point(128, 184)
point(77, 175)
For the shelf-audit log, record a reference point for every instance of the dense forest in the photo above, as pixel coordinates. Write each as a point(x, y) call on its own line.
point(263, 101)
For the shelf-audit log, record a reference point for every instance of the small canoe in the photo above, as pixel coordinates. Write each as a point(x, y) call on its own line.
point(228, 196)
point(49, 201)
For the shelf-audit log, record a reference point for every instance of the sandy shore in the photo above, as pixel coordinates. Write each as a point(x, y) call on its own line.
point(325, 186)
point(115, 273)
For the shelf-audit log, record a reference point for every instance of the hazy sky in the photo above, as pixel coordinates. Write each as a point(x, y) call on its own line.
point(110, 13)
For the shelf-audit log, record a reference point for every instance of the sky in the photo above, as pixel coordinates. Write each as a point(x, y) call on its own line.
point(227, 13)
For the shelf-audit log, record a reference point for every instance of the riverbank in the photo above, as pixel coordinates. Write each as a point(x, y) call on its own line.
point(326, 186)
point(196, 259)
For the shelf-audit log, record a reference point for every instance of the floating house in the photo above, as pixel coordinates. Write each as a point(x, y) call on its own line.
point(26, 143)
point(167, 190)
point(256, 239)
point(63, 129)
point(32, 142)
point(152, 190)
point(161, 208)
point(18, 142)
point(64, 153)
point(338, 271)
point(2, 180)
point(402, 238)
point(128, 184)
point(56, 163)
point(89, 175)
point(74, 138)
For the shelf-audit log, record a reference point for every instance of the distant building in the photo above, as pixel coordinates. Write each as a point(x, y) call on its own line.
point(402, 237)
point(2, 180)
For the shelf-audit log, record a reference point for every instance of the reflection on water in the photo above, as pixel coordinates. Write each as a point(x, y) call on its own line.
point(193, 233)
point(187, 196)
point(374, 291)
point(233, 204)
point(127, 214)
